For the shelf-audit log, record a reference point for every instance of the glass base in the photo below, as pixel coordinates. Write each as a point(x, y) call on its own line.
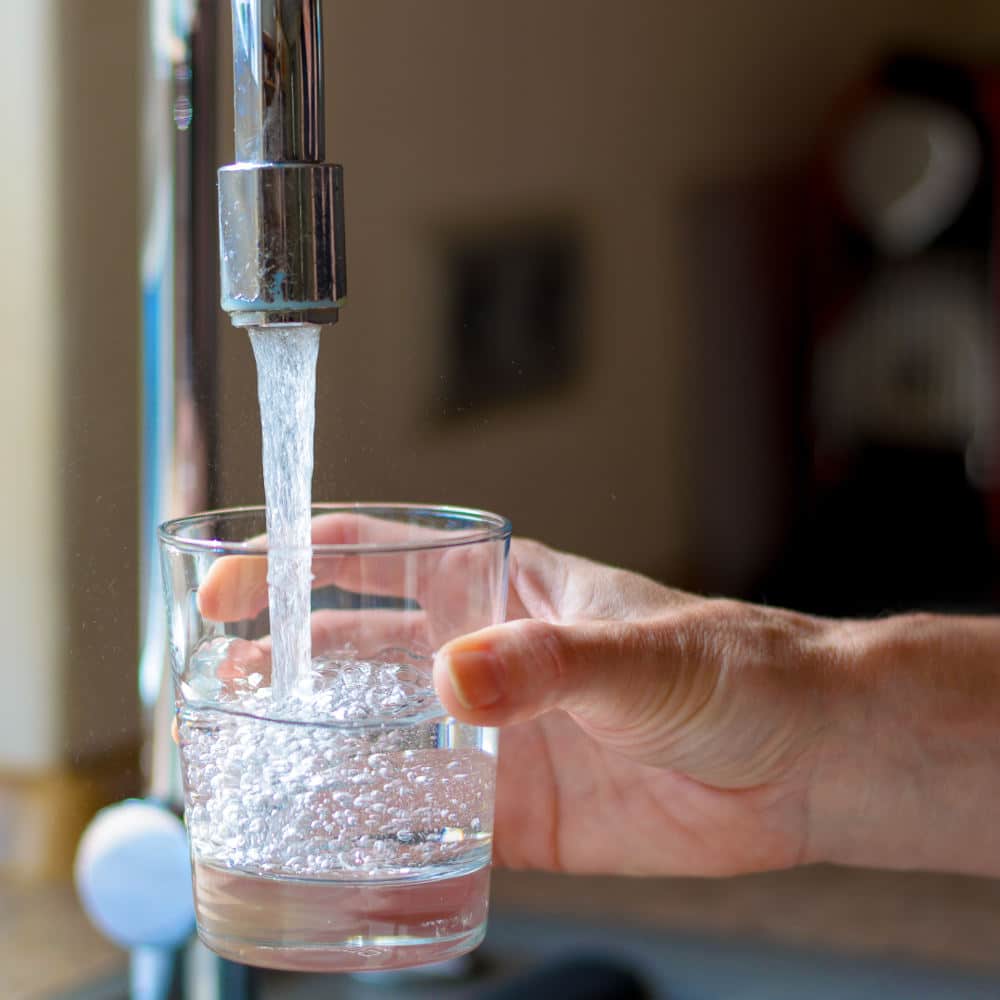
point(321, 925)
point(363, 957)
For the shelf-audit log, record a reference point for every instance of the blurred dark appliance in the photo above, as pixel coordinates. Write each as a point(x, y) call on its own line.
point(847, 420)
point(896, 492)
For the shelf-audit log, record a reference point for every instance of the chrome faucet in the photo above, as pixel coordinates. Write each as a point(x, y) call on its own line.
point(281, 211)
point(279, 249)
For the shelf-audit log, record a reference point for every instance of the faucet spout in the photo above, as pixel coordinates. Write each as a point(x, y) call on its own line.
point(281, 206)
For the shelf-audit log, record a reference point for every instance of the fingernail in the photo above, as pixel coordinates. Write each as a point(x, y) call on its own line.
point(475, 677)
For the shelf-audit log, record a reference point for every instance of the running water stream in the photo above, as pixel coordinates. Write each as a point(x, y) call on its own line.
point(286, 386)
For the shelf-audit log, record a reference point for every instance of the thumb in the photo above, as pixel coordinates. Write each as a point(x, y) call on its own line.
point(609, 675)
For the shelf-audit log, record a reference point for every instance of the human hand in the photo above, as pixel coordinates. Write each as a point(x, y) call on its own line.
point(649, 731)
point(646, 730)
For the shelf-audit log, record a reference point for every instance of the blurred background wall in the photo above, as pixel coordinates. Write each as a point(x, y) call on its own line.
point(461, 118)
point(466, 130)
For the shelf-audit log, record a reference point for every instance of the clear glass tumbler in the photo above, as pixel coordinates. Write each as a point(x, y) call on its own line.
point(338, 818)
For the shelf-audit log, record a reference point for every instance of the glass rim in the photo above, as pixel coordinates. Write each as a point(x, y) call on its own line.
point(489, 527)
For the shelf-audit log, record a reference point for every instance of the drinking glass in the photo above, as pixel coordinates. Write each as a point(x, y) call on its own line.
point(338, 818)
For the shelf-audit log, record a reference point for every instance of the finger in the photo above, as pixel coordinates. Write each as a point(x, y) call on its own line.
point(365, 530)
point(350, 634)
point(367, 633)
point(245, 657)
point(612, 676)
point(396, 558)
point(235, 587)
point(362, 633)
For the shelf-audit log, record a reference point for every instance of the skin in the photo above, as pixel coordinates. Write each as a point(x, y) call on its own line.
point(648, 731)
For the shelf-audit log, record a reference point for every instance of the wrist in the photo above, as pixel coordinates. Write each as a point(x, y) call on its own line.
point(908, 767)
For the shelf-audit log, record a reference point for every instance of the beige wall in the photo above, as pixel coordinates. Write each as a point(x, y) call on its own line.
point(444, 113)
point(31, 610)
point(68, 382)
point(97, 195)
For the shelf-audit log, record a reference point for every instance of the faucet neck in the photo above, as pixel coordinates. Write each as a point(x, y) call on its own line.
point(278, 81)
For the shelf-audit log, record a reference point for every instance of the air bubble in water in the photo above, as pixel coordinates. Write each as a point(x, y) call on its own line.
point(317, 799)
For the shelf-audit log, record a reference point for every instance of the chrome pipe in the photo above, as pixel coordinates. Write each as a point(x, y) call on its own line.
point(281, 207)
point(179, 295)
point(278, 81)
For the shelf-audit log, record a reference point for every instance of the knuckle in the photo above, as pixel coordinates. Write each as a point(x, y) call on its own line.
point(545, 646)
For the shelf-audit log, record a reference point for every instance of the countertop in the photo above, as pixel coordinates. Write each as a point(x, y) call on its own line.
point(936, 918)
